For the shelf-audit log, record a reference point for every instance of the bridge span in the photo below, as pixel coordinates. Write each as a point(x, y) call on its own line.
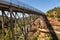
point(17, 20)
point(19, 8)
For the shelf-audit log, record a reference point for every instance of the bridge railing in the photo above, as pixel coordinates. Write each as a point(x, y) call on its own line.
point(23, 5)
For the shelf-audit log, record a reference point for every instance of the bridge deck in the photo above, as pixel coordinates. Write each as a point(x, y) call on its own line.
point(6, 5)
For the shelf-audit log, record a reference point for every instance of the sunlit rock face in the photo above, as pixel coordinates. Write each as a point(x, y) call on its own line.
point(35, 32)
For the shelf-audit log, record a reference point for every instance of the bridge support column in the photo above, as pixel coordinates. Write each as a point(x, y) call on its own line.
point(3, 25)
point(15, 25)
point(12, 25)
point(24, 28)
point(30, 23)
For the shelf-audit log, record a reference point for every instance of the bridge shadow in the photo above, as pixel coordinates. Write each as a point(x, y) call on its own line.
point(51, 30)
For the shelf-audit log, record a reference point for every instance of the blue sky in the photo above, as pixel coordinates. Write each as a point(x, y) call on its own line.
point(42, 5)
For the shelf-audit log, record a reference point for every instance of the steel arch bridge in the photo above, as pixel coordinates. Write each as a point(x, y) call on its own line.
point(18, 20)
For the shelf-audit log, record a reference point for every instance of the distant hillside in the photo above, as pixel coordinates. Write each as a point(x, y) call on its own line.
point(55, 12)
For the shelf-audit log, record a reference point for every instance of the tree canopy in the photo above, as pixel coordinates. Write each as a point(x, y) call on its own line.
point(56, 10)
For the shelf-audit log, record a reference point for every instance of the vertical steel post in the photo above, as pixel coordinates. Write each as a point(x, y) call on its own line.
point(25, 35)
point(11, 19)
point(12, 25)
point(23, 26)
point(15, 25)
point(2, 25)
point(30, 23)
